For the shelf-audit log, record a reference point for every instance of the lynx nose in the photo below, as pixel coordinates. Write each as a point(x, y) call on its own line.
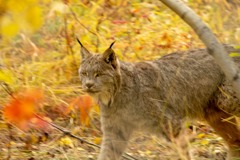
point(89, 84)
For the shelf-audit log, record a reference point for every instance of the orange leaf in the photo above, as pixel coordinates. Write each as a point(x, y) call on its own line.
point(84, 103)
point(21, 108)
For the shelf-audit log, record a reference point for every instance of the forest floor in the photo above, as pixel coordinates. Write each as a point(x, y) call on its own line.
point(55, 145)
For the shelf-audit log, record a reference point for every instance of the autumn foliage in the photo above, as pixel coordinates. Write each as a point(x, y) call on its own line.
point(22, 107)
point(38, 49)
point(22, 110)
point(84, 104)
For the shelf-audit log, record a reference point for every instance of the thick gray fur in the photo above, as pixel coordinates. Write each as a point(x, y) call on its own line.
point(153, 96)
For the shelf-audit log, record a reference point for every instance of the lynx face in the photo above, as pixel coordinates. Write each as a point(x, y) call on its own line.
point(98, 74)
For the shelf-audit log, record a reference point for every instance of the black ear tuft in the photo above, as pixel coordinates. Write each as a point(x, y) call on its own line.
point(84, 52)
point(79, 42)
point(112, 44)
point(109, 56)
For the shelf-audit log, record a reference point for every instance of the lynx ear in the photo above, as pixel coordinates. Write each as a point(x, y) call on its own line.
point(84, 52)
point(109, 56)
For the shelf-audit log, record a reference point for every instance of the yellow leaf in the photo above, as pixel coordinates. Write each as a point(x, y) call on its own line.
point(97, 140)
point(96, 108)
point(148, 152)
point(3, 125)
point(34, 17)
point(16, 6)
point(34, 138)
point(6, 76)
point(66, 141)
point(8, 28)
point(204, 142)
point(201, 135)
point(23, 15)
point(234, 54)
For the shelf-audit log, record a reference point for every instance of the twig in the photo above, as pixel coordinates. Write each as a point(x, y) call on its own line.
point(7, 89)
point(76, 18)
point(68, 133)
point(69, 47)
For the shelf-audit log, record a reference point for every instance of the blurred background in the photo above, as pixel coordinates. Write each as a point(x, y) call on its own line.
point(39, 59)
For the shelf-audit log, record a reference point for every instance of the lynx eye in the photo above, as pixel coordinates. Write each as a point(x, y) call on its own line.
point(97, 75)
point(84, 74)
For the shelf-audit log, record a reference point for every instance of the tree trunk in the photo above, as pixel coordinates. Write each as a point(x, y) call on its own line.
point(215, 49)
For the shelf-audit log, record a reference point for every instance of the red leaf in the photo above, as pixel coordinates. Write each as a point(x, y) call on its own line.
point(84, 103)
point(21, 108)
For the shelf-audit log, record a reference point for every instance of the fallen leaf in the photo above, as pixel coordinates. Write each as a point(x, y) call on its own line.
point(66, 141)
point(97, 140)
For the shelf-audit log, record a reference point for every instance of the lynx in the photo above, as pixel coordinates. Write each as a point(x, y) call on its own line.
point(158, 96)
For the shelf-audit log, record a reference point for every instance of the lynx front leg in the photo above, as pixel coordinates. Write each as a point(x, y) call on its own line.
point(114, 143)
